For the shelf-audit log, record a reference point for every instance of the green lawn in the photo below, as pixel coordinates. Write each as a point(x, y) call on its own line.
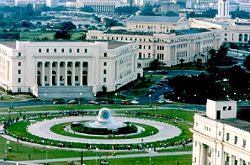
point(189, 148)
point(161, 160)
point(66, 107)
point(15, 97)
point(185, 115)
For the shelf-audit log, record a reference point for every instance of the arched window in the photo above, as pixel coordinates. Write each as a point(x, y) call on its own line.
point(240, 38)
point(245, 38)
point(85, 64)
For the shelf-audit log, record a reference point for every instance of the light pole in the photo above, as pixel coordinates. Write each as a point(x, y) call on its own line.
point(150, 100)
point(96, 154)
point(115, 98)
point(45, 94)
point(80, 98)
point(150, 156)
point(12, 98)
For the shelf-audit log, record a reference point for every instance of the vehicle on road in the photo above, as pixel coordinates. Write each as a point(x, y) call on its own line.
point(73, 102)
point(93, 102)
point(59, 101)
point(134, 102)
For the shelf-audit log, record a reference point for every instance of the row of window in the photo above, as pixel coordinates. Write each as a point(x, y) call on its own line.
point(243, 145)
point(55, 50)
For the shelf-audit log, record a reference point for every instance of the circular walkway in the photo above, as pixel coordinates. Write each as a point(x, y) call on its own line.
point(42, 129)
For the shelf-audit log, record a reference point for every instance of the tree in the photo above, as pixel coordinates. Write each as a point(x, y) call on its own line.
point(126, 10)
point(247, 62)
point(62, 35)
point(154, 63)
point(67, 26)
point(147, 10)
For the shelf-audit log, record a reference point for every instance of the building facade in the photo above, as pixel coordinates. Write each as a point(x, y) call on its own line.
point(104, 6)
point(219, 138)
point(157, 24)
point(65, 69)
point(173, 48)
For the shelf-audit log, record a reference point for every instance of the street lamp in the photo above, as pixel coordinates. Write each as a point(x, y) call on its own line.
point(150, 156)
point(150, 100)
point(115, 98)
point(45, 94)
point(96, 154)
point(80, 99)
point(12, 98)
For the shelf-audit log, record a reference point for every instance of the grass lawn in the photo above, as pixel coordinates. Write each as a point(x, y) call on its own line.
point(185, 115)
point(161, 160)
point(189, 148)
point(15, 97)
point(66, 107)
point(59, 129)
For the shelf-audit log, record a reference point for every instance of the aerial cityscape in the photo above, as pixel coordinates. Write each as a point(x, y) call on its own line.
point(125, 82)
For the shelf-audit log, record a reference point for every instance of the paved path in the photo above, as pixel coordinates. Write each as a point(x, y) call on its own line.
point(31, 162)
point(42, 129)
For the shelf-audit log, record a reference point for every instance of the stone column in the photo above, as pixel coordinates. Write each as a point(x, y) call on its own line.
point(66, 74)
point(80, 75)
point(58, 74)
point(43, 73)
point(50, 73)
point(73, 73)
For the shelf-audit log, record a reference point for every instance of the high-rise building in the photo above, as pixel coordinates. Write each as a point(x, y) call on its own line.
point(223, 9)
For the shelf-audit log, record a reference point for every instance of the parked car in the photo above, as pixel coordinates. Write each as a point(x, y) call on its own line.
point(93, 102)
point(73, 102)
point(134, 102)
point(161, 101)
point(59, 102)
point(124, 102)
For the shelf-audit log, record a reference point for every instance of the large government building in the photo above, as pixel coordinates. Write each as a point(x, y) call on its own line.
point(219, 138)
point(171, 48)
point(66, 69)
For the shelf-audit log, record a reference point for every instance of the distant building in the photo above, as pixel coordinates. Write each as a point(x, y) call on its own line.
point(65, 69)
point(157, 24)
point(219, 138)
point(104, 6)
point(166, 7)
point(172, 48)
point(223, 9)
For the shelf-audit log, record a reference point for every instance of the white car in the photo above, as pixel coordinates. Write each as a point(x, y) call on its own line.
point(135, 102)
point(161, 101)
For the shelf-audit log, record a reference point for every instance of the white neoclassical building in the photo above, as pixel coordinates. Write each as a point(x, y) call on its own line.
point(219, 138)
point(66, 69)
point(105, 6)
point(171, 48)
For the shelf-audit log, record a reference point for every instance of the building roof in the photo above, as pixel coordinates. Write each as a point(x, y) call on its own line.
point(191, 31)
point(121, 31)
point(10, 44)
point(241, 124)
point(155, 19)
point(115, 44)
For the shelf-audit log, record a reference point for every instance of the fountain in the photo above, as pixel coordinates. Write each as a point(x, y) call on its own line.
point(104, 125)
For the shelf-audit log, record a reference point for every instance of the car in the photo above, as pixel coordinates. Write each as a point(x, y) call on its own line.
point(161, 101)
point(169, 101)
point(124, 102)
point(73, 102)
point(134, 102)
point(59, 102)
point(93, 102)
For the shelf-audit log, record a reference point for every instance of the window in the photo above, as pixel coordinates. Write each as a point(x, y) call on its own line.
point(104, 63)
point(139, 46)
point(229, 108)
point(235, 140)
point(19, 71)
point(47, 50)
point(105, 54)
point(19, 80)
point(40, 50)
point(19, 54)
point(85, 50)
point(78, 50)
point(104, 79)
point(55, 50)
point(19, 63)
point(76, 78)
point(227, 137)
point(62, 50)
point(61, 78)
point(224, 108)
point(70, 50)
point(104, 71)
point(45, 78)
point(244, 143)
